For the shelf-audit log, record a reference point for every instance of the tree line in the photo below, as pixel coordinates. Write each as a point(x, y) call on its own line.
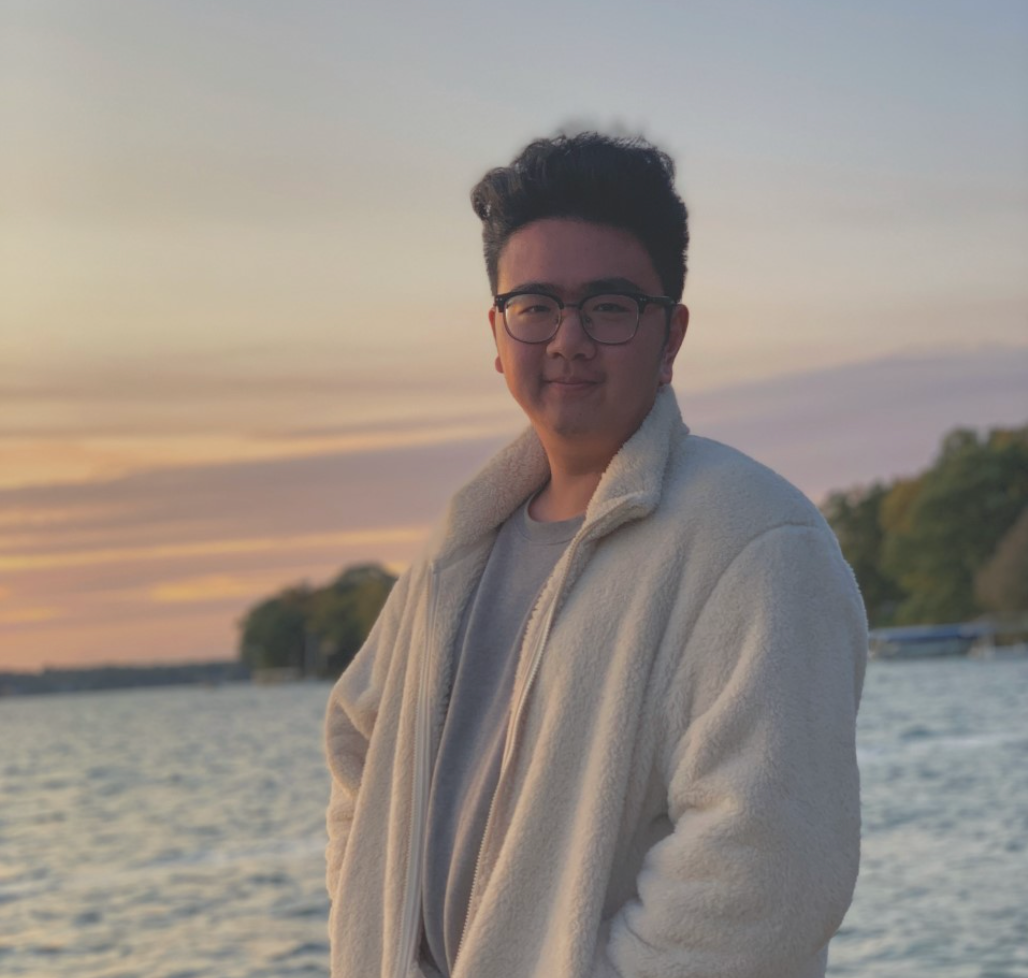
point(947, 545)
point(315, 631)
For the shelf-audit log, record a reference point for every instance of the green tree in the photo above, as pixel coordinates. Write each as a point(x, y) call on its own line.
point(273, 633)
point(343, 613)
point(941, 528)
point(855, 516)
point(278, 632)
point(1001, 585)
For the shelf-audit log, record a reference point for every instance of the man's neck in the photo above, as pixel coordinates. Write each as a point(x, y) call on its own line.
point(572, 484)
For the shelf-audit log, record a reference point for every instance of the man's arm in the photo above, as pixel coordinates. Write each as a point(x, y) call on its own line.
point(349, 721)
point(763, 788)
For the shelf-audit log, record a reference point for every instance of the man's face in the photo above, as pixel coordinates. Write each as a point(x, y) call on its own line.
point(579, 395)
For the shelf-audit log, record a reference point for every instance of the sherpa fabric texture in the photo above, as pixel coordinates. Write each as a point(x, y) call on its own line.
point(682, 799)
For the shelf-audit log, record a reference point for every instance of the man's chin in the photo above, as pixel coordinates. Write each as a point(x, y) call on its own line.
point(578, 426)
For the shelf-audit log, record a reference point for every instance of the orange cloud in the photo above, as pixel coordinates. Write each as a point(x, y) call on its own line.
point(205, 633)
point(210, 587)
point(29, 462)
point(28, 616)
point(23, 518)
point(114, 555)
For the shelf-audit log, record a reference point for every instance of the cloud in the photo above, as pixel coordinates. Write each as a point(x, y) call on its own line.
point(199, 549)
point(193, 546)
point(210, 587)
point(29, 616)
point(830, 429)
point(102, 459)
point(823, 429)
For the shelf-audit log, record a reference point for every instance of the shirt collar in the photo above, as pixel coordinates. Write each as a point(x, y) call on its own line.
point(629, 489)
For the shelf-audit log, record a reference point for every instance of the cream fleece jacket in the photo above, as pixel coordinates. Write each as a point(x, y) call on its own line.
point(679, 795)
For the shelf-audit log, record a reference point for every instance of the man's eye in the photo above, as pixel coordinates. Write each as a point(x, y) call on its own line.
point(531, 306)
point(610, 307)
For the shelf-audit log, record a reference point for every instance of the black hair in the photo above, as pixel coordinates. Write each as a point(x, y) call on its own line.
point(626, 183)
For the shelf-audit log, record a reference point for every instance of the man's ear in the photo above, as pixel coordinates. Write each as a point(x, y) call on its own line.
point(676, 334)
point(498, 363)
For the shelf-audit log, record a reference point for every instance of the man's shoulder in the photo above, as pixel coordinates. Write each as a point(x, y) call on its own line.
point(716, 483)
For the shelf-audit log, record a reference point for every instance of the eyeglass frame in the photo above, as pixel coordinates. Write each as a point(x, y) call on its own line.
point(641, 299)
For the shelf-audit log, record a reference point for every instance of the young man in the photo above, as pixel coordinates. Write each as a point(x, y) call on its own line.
point(604, 726)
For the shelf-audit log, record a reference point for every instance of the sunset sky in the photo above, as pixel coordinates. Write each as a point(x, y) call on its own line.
point(243, 336)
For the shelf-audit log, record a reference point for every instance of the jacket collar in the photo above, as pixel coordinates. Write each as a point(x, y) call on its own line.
point(629, 489)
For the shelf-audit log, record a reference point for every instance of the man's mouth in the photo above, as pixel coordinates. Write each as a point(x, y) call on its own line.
point(573, 381)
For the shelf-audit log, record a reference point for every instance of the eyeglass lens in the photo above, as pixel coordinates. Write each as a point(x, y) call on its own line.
point(606, 318)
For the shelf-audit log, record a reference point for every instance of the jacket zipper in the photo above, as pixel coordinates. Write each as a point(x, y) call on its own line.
point(409, 922)
point(508, 751)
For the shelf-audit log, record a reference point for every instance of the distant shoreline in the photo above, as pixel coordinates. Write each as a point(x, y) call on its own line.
point(121, 677)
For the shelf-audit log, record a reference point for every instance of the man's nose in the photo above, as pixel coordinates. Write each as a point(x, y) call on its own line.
point(571, 339)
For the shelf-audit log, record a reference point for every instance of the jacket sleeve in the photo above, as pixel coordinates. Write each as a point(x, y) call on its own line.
point(759, 759)
point(349, 721)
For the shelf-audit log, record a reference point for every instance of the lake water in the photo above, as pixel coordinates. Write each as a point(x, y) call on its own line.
point(178, 833)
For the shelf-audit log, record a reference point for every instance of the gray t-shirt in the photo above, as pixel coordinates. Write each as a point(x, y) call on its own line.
point(468, 763)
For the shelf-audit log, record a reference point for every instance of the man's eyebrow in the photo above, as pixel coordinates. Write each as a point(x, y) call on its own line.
point(613, 284)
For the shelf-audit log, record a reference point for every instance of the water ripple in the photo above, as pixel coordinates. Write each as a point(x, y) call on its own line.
point(179, 833)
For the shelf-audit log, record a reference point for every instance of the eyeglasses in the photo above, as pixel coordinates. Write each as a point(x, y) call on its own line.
point(611, 318)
